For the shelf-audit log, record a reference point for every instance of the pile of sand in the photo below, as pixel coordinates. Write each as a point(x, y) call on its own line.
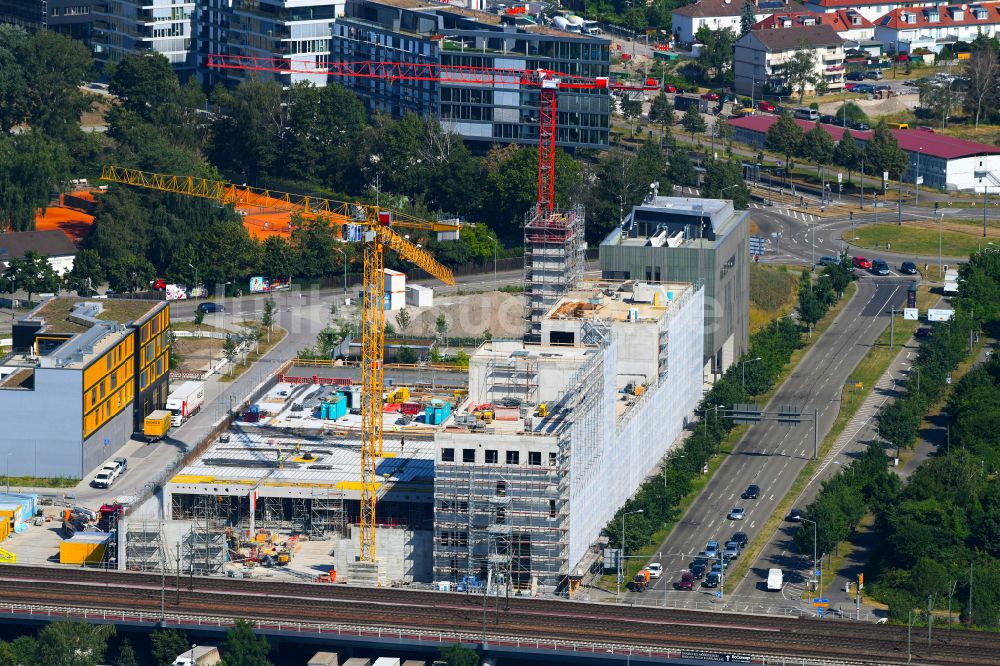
point(876, 107)
point(471, 316)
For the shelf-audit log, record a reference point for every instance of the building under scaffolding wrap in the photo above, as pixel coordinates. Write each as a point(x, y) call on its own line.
point(554, 259)
point(556, 436)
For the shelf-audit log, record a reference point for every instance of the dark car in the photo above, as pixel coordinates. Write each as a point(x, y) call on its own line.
point(711, 580)
point(859, 125)
point(923, 332)
point(741, 538)
point(879, 267)
point(698, 570)
point(751, 492)
point(829, 261)
point(908, 268)
point(854, 76)
point(863, 88)
point(795, 515)
point(686, 582)
point(209, 307)
point(829, 120)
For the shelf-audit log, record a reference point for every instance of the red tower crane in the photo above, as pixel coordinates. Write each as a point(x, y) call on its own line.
point(548, 81)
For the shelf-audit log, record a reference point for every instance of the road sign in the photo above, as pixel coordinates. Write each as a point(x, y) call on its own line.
point(861, 581)
point(939, 315)
point(745, 413)
point(719, 594)
point(885, 177)
point(816, 573)
point(819, 612)
point(107, 442)
point(920, 180)
point(821, 603)
point(840, 177)
point(756, 245)
point(911, 314)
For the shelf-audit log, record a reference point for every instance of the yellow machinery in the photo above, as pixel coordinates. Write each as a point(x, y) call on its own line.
point(402, 394)
point(378, 235)
point(543, 409)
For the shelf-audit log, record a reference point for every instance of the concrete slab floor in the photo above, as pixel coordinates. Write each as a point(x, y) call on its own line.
point(37, 545)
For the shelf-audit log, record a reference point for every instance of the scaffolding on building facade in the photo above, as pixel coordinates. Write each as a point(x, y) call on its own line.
point(554, 261)
point(317, 515)
point(143, 547)
point(514, 377)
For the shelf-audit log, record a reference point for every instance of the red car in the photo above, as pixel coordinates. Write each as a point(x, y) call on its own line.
point(861, 262)
point(714, 97)
point(686, 582)
point(766, 107)
point(670, 89)
point(849, 86)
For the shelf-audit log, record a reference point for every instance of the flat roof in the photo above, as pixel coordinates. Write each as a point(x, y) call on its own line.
point(56, 312)
point(594, 302)
point(912, 140)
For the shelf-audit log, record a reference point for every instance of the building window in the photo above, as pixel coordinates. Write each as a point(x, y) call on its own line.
point(534, 457)
point(501, 488)
point(513, 458)
point(552, 458)
point(108, 357)
point(447, 455)
point(491, 457)
point(468, 455)
point(552, 508)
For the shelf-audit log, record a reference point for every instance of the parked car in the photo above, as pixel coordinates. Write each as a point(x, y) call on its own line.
point(854, 76)
point(766, 107)
point(655, 570)
point(923, 332)
point(104, 478)
point(122, 462)
point(863, 88)
point(829, 120)
point(751, 492)
point(859, 125)
point(686, 582)
point(209, 307)
point(736, 513)
point(795, 515)
point(861, 262)
point(711, 96)
point(118, 466)
point(879, 267)
point(670, 89)
point(874, 75)
point(849, 87)
point(741, 538)
point(908, 268)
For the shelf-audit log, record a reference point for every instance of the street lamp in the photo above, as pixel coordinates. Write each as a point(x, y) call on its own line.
point(621, 553)
point(193, 646)
point(743, 371)
point(495, 247)
point(815, 558)
point(343, 254)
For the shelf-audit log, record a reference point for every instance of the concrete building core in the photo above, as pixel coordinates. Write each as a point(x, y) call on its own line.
point(677, 239)
point(555, 437)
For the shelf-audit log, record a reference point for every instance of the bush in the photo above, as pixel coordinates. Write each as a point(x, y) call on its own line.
point(814, 105)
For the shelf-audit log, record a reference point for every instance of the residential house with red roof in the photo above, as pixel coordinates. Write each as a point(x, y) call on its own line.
point(848, 23)
point(934, 27)
point(761, 55)
point(720, 14)
point(937, 160)
point(870, 9)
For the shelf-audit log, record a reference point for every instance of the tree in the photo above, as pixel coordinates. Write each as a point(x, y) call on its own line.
point(73, 643)
point(55, 67)
point(811, 309)
point(406, 355)
point(800, 71)
point(199, 317)
point(229, 350)
point(716, 54)
point(939, 99)
point(441, 325)
point(144, 84)
point(126, 654)
point(631, 109)
point(724, 132)
point(680, 170)
point(623, 179)
point(981, 70)
point(87, 273)
point(456, 655)
point(277, 257)
point(852, 113)
point(847, 154)
point(784, 137)
point(724, 180)
point(403, 320)
point(247, 139)
point(130, 273)
point(661, 112)
point(882, 152)
point(817, 145)
point(31, 167)
point(747, 18)
point(692, 121)
point(244, 648)
point(461, 359)
point(267, 317)
point(33, 273)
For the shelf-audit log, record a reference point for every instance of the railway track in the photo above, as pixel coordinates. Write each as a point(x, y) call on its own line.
point(653, 629)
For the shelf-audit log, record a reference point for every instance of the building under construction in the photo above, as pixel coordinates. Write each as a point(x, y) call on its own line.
point(554, 259)
point(555, 436)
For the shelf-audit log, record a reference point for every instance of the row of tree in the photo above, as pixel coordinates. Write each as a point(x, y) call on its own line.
point(938, 534)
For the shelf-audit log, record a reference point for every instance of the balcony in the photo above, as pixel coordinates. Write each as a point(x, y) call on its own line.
point(835, 68)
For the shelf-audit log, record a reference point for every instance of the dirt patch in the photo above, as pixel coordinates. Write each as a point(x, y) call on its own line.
point(197, 353)
point(876, 107)
point(471, 316)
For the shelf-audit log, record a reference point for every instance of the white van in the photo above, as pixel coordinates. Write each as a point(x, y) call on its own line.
point(807, 114)
point(775, 580)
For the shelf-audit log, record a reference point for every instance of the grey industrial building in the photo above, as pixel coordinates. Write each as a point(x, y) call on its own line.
point(677, 239)
point(414, 31)
point(68, 17)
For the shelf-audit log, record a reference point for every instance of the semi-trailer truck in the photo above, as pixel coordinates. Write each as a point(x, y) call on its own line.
point(185, 400)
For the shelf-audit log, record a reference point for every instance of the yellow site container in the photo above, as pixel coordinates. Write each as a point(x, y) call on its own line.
point(156, 425)
point(84, 548)
point(4, 529)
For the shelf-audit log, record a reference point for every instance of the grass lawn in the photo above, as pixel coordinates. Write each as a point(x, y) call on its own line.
point(191, 326)
point(773, 293)
point(37, 482)
point(959, 238)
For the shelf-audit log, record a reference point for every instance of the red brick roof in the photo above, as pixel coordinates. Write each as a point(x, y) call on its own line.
point(923, 142)
point(840, 21)
point(947, 16)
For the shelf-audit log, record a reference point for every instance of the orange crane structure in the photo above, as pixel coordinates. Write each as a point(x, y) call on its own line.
point(379, 233)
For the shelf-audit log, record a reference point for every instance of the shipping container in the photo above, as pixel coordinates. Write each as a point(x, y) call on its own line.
point(156, 425)
point(418, 296)
point(84, 548)
point(324, 659)
point(358, 661)
point(386, 661)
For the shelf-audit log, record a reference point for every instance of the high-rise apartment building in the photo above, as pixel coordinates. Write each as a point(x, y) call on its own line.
point(123, 27)
point(68, 17)
point(414, 31)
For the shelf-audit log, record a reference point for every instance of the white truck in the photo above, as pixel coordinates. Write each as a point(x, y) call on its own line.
point(185, 401)
point(951, 282)
point(199, 655)
point(775, 580)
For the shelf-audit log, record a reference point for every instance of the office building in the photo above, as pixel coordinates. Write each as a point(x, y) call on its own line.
point(414, 31)
point(167, 27)
point(675, 239)
point(72, 18)
point(80, 379)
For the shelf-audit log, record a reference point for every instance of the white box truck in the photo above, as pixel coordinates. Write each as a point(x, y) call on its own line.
point(775, 580)
point(185, 401)
point(200, 655)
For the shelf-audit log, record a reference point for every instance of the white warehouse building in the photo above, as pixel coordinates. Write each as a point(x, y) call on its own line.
point(555, 437)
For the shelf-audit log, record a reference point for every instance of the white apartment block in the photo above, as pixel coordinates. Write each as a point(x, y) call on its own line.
point(761, 56)
point(721, 14)
point(907, 28)
point(870, 9)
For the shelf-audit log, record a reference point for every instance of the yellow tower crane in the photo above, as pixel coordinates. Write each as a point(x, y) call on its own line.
point(378, 224)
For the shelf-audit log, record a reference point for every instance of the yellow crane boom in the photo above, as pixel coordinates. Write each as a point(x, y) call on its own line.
point(378, 232)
